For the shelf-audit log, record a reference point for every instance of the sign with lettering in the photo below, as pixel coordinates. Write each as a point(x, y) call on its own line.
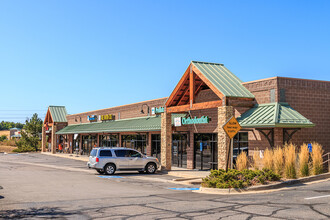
point(232, 127)
point(92, 117)
point(201, 120)
point(159, 110)
point(177, 121)
point(107, 117)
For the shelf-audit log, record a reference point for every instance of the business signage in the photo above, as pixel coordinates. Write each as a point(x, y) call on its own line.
point(92, 117)
point(107, 117)
point(179, 121)
point(157, 110)
point(201, 120)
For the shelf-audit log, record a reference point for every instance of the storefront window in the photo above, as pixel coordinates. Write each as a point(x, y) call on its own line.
point(89, 141)
point(155, 145)
point(137, 142)
point(241, 142)
point(110, 140)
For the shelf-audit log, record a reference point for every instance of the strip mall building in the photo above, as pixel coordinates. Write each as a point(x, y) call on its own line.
point(186, 128)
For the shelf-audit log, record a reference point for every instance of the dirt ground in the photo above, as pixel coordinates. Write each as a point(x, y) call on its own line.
point(7, 149)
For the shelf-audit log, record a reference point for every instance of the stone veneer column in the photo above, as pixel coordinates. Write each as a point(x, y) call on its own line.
point(43, 139)
point(54, 142)
point(224, 114)
point(166, 141)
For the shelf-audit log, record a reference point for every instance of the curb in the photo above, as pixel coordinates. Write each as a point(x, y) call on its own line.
point(264, 188)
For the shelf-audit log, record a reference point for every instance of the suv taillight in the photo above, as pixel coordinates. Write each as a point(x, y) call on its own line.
point(97, 159)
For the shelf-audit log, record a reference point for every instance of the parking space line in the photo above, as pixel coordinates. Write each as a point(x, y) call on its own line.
point(184, 188)
point(111, 177)
point(317, 197)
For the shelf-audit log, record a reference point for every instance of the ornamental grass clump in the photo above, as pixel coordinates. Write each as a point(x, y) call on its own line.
point(268, 159)
point(278, 160)
point(256, 160)
point(290, 161)
point(303, 160)
point(242, 162)
point(317, 160)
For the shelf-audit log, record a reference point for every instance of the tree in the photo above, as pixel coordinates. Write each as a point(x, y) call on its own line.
point(30, 140)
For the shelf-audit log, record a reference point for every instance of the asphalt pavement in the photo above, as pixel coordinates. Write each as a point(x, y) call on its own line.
point(37, 186)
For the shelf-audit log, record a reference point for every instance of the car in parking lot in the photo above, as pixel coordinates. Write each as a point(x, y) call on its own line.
point(109, 160)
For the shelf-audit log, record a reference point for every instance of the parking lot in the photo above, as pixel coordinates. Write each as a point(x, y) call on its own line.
point(43, 186)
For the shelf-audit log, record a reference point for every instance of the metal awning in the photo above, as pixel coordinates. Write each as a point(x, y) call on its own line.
point(273, 115)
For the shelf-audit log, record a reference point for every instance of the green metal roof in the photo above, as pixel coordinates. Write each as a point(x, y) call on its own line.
point(151, 123)
point(224, 80)
point(273, 115)
point(58, 113)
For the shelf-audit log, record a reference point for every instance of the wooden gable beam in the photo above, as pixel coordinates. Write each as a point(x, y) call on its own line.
point(191, 87)
point(207, 82)
point(177, 88)
point(194, 106)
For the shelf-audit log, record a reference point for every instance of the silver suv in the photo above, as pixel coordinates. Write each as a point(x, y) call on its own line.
point(109, 160)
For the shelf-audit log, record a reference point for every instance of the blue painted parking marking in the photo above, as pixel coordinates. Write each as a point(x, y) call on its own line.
point(184, 188)
point(110, 177)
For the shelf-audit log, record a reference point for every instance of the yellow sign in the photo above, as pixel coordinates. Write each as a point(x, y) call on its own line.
point(107, 117)
point(232, 127)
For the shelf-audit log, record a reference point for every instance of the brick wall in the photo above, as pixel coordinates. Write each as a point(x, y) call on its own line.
point(311, 98)
point(122, 112)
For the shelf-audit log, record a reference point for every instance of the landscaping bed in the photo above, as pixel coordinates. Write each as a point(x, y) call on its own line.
point(239, 179)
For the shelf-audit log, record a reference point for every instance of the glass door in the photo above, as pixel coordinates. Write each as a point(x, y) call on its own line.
point(179, 150)
point(206, 151)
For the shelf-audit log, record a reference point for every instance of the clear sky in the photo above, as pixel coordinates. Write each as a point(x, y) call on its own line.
point(88, 55)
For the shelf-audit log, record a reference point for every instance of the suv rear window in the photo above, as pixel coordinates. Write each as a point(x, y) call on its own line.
point(105, 153)
point(93, 152)
point(121, 153)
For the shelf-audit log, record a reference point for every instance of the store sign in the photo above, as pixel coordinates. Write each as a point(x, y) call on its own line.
point(177, 122)
point(107, 117)
point(155, 110)
point(92, 117)
point(201, 120)
point(232, 127)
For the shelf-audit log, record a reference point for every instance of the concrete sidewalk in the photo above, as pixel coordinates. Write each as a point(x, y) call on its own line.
point(182, 173)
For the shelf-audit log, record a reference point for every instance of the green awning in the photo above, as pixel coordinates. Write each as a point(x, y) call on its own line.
point(123, 125)
point(273, 115)
point(152, 123)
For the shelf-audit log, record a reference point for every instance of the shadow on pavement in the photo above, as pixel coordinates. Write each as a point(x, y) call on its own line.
point(33, 212)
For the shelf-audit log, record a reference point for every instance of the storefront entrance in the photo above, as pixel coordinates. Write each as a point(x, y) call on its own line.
point(179, 150)
point(155, 146)
point(206, 151)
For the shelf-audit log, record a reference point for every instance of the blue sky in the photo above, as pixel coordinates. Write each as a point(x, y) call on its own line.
point(88, 55)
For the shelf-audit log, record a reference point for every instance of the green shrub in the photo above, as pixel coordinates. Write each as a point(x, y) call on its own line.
point(303, 160)
point(239, 179)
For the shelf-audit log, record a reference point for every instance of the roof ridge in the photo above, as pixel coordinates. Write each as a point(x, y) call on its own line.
point(195, 61)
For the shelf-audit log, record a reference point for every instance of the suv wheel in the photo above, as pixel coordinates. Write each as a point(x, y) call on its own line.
point(151, 168)
point(110, 169)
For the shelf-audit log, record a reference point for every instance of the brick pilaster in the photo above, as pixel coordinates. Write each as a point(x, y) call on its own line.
point(224, 114)
point(54, 139)
point(166, 141)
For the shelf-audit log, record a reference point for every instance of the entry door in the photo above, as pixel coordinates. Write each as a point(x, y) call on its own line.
point(179, 150)
point(206, 151)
